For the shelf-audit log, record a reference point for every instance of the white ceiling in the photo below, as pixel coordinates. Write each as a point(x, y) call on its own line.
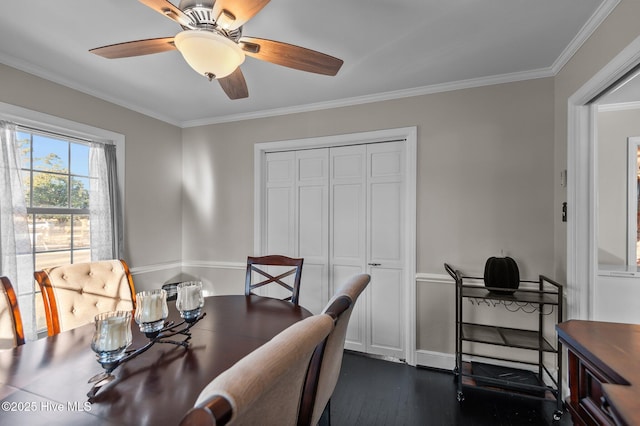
point(390, 48)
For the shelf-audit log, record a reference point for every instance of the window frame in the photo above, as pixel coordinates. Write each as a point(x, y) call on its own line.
point(72, 129)
point(24, 117)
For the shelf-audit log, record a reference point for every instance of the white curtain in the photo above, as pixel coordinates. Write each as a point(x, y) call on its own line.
point(15, 242)
point(104, 208)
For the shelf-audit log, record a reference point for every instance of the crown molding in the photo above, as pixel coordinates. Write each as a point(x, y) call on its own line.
point(585, 32)
point(29, 68)
point(583, 35)
point(378, 97)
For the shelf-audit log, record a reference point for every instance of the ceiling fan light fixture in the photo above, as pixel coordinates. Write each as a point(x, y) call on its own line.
point(209, 53)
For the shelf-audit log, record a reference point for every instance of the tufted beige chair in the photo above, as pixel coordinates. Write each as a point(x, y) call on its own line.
point(11, 331)
point(327, 360)
point(264, 387)
point(75, 293)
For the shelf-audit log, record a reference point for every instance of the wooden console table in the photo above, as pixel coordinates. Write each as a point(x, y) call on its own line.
point(604, 372)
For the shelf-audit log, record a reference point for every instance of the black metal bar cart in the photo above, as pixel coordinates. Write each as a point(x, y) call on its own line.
point(498, 370)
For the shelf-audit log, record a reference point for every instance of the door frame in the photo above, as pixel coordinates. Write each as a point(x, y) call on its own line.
point(409, 134)
point(582, 171)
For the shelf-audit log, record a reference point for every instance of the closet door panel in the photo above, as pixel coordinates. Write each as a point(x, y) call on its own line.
point(348, 231)
point(385, 237)
point(385, 315)
point(386, 222)
point(313, 226)
point(279, 204)
point(355, 339)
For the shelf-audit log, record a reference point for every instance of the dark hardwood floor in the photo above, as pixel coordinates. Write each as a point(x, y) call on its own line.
point(375, 392)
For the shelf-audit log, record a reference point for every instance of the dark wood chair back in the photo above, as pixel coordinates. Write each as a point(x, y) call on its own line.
point(75, 293)
point(326, 362)
point(259, 266)
point(10, 318)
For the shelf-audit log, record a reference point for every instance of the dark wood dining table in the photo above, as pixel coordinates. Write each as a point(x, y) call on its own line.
point(46, 381)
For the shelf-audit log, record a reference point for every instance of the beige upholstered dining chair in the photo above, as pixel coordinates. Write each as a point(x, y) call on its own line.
point(75, 293)
point(11, 331)
point(326, 362)
point(264, 387)
point(274, 268)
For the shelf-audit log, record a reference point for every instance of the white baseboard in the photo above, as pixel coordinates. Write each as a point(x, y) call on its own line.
point(439, 360)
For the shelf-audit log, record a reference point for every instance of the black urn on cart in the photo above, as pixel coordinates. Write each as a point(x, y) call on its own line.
point(501, 273)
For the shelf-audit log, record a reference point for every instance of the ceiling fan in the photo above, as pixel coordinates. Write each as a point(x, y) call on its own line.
point(213, 45)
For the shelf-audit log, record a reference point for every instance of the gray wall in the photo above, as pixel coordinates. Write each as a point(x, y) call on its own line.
point(153, 173)
point(485, 184)
point(485, 159)
point(617, 31)
point(489, 163)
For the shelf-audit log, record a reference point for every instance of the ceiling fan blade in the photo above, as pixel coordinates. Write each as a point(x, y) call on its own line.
point(167, 9)
point(234, 85)
point(230, 14)
point(135, 48)
point(291, 56)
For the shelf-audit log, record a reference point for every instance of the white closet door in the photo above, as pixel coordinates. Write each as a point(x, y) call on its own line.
point(342, 209)
point(313, 226)
point(347, 237)
point(385, 248)
point(367, 234)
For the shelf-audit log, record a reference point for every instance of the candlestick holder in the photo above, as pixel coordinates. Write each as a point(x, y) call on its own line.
point(162, 336)
point(151, 311)
point(190, 300)
point(111, 339)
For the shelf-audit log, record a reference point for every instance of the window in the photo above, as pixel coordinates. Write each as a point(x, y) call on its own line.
point(55, 209)
point(55, 174)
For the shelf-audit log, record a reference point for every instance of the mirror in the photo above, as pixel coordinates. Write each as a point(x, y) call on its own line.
point(618, 136)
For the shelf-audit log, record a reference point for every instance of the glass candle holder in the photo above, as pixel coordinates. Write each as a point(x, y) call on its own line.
point(151, 311)
point(112, 336)
point(190, 300)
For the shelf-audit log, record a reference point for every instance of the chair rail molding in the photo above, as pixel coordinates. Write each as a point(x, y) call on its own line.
point(156, 267)
point(214, 264)
point(423, 277)
point(207, 264)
